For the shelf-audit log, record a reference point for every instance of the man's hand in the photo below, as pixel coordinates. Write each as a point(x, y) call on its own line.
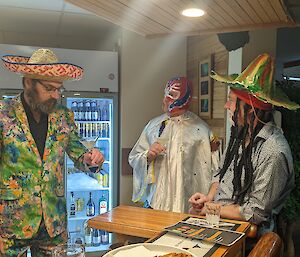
point(197, 201)
point(93, 157)
point(154, 150)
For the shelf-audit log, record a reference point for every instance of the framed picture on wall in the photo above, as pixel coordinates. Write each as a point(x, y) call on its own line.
point(205, 88)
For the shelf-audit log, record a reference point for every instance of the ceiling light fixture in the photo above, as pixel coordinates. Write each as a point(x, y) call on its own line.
point(192, 12)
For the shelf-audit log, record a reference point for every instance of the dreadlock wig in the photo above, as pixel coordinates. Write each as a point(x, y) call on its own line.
point(242, 137)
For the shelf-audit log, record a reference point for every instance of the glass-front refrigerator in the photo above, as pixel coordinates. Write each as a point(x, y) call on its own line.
point(6, 93)
point(92, 193)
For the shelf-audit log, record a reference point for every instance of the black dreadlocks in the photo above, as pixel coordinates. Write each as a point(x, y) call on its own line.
point(238, 137)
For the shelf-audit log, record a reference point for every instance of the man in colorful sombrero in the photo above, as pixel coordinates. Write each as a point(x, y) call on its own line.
point(172, 157)
point(35, 133)
point(256, 172)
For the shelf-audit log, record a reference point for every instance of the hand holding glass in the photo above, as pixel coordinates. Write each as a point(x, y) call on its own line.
point(90, 144)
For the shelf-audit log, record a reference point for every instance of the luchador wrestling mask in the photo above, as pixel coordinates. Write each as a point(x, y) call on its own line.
point(178, 94)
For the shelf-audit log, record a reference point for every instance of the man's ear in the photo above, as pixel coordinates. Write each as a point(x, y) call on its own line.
point(26, 82)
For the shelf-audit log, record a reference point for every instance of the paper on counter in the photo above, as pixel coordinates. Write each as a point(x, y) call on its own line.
point(136, 251)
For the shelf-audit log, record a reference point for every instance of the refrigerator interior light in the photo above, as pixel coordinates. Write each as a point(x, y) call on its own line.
point(76, 94)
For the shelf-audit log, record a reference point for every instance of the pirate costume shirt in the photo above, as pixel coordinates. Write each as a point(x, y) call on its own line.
point(273, 178)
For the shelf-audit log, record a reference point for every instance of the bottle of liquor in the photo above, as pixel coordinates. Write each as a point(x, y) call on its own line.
point(104, 237)
point(88, 232)
point(105, 112)
point(96, 239)
point(72, 206)
point(88, 111)
point(74, 109)
point(90, 207)
point(94, 111)
point(98, 108)
point(103, 130)
point(81, 133)
point(81, 115)
point(102, 205)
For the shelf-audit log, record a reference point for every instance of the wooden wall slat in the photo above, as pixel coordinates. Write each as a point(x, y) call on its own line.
point(175, 7)
point(110, 15)
point(212, 13)
point(238, 9)
point(258, 9)
point(278, 8)
point(199, 48)
point(228, 10)
point(248, 8)
point(269, 10)
point(220, 12)
point(131, 14)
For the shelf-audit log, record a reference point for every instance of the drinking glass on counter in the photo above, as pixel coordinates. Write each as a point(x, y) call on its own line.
point(70, 250)
point(212, 210)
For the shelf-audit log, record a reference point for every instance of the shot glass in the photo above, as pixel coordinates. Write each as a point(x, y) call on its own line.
point(212, 210)
point(70, 250)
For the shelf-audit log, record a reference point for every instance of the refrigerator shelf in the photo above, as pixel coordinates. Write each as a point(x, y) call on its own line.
point(81, 217)
point(97, 248)
point(88, 189)
point(100, 138)
point(93, 121)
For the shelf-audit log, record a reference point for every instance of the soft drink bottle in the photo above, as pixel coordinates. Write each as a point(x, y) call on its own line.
point(94, 115)
point(88, 111)
point(105, 112)
point(80, 111)
point(99, 110)
point(74, 109)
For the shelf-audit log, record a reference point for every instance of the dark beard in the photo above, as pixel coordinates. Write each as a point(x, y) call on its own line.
point(44, 107)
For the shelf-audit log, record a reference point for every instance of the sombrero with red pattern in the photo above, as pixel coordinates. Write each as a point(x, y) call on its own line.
point(43, 64)
point(257, 82)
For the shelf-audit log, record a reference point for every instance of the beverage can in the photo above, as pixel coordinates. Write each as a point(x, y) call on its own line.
point(105, 179)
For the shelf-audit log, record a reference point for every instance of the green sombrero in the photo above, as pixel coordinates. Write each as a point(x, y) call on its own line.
point(257, 80)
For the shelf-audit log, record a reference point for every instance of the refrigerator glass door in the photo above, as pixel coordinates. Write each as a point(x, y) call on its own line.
point(92, 192)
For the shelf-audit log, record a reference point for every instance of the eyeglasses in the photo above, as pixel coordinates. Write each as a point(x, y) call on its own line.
point(51, 89)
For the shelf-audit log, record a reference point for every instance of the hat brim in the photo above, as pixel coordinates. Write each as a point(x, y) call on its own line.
point(48, 71)
point(277, 98)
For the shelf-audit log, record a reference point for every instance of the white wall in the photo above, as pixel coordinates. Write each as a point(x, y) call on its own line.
point(97, 66)
point(261, 41)
point(146, 65)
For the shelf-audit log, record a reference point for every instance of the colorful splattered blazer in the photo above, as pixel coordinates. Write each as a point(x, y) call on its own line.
point(31, 187)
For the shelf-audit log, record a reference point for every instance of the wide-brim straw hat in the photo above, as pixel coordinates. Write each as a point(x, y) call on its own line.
point(257, 80)
point(43, 64)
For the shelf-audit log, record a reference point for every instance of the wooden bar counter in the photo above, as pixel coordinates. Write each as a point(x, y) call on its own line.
point(148, 223)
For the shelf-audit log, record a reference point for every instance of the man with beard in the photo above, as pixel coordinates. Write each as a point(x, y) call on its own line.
point(35, 133)
point(172, 158)
point(256, 174)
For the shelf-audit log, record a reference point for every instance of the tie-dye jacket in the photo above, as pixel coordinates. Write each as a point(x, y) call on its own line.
point(31, 187)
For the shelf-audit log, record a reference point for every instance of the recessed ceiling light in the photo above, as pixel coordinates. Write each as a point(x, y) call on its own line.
point(192, 12)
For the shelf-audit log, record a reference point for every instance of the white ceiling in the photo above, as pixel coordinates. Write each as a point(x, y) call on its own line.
point(49, 17)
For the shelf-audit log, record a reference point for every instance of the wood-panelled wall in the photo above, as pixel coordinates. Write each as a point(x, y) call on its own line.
point(199, 48)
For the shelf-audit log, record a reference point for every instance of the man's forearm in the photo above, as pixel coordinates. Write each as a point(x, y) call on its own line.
point(231, 211)
point(212, 191)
